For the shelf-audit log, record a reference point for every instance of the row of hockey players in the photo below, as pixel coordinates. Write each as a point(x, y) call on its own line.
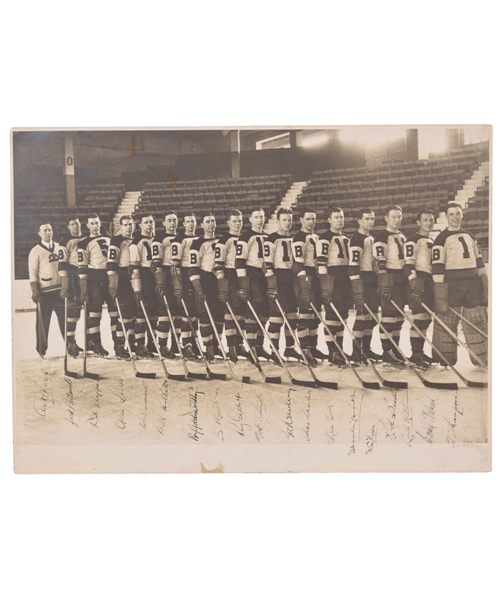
point(209, 279)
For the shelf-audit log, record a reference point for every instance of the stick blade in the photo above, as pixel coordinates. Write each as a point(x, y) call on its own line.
point(70, 374)
point(304, 383)
point(398, 385)
point(371, 385)
point(197, 375)
point(272, 379)
point(220, 376)
point(477, 384)
point(94, 376)
point(332, 385)
point(177, 377)
point(439, 386)
point(146, 375)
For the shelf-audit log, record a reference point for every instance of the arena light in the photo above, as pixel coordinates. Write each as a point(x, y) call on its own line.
point(371, 136)
point(315, 140)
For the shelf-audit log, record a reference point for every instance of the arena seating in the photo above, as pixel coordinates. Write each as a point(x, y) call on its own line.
point(47, 205)
point(214, 195)
point(476, 215)
point(432, 183)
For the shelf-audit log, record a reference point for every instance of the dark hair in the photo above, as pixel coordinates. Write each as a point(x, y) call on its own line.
point(125, 218)
point(284, 211)
point(208, 214)
point(144, 215)
point(170, 212)
point(392, 207)
point(452, 205)
point(363, 211)
point(333, 209)
point(305, 210)
point(73, 218)
point(189, 214)
point(258, 209)
point(233, 212)
point(425, 211)
point(93, 216)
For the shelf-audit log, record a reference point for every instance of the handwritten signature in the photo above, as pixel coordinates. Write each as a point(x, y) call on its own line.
point(288, 420)
point(196, 430)
point(330, 433)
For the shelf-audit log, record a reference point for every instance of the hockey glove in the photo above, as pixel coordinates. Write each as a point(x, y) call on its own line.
point(176, 282)
point(385, 285)
point(326, 285)
point(484, 281)
point(35, 291)
point(244, 290)
point(303, 291)
point(161, 284)
point(417, 291)
point(222, 290)
point(113, 285)
point(83, 290)
point(199, 296)
point(64, 293)
point(440, 297)
point(358, 294)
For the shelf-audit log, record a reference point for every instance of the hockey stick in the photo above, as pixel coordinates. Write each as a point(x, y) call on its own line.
point(401, 385)
point(167, 374)
point(476, 384)
point(40, 329)
point(254, 358)
point(177, 341)
point(455, 337)
point(127, 343)
point(276, 352)
point(328, 384)
point(370, 385)
point(210, 374)
point(469, 323)
point(67, 373)
point(85, 372)
point(430, 384)
point(244, 379)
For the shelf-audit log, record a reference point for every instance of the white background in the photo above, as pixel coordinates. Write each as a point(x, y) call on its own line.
point(238, 63)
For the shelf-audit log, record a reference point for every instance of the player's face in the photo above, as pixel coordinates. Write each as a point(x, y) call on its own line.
point(285, 224)
point(308, 222)
point(426, 223)
point(94, 226)
point(128, 228)
point(75, 227)
point(170, 223)
point(235, 224)
point(336, 221)
point(455, 216)
point(257, 220)
point(393, 219)
point(45, 233)
point(147, 226)
point(367, 222)
point(209, 225)
point(190, 225)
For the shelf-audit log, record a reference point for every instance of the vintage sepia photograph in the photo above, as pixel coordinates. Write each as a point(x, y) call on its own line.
point(251, 299)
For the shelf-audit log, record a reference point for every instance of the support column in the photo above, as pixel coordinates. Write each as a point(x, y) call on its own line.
point(453, 139)
point(411, 144)
point(69, 170)
point(234, 137)
point(296, 139)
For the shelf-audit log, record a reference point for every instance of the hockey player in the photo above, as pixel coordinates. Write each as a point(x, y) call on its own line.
point(364, 285)
point(251, 279)
point(278, 260)
point(332, 248)
point(183, 288)
point(45, 282)
point(118, 267)
point(460, 282)
point(227, 282)
point(202, 259)
point(162, 269)
point(417, 270)
point(92, 259)
point(70, 285)
point(144, 284)
point(388, 252)
point(306, 284)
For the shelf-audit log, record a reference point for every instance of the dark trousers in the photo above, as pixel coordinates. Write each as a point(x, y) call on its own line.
point(49, 301)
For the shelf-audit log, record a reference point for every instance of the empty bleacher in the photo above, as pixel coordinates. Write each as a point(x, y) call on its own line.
point(213, 195)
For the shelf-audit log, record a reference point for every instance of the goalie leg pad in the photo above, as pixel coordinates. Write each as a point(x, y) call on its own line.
point(475, 341)
point(442, 340)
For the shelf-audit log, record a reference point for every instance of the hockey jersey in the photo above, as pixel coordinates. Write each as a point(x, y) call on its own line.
point(202, 255)
point(164, 249)
point(332, 249)
point(250, 250)
point(142, 251)
point(388, 250)
point(418, 252)
point(225, 252)
point(278, 251)
point(93, 253)
point(456, 255)
point(68, 252)
point(119, 253)
point(180, 247)
point(360, 254)
point(43, 263)
point(304, 249)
